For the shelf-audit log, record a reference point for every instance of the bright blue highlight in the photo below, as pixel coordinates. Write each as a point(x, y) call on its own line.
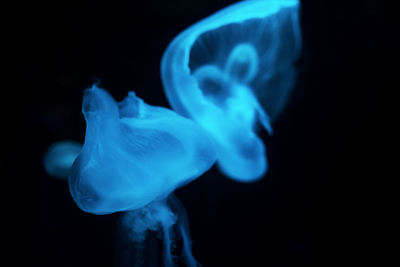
point(231, 70)
point(59, 158)
point(134, 154)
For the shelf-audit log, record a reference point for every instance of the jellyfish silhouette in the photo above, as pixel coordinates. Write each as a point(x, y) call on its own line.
point(133, 157)
point(232, 70)
point(59, 157)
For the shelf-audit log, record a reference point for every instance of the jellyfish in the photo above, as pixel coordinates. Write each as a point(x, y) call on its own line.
point(134, 156)
point(59, 157)
point(233, 72)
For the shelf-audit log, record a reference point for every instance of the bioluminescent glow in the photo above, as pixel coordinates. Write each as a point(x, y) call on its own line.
point(227, 73)
point(231, 70)
point(133, 157)
point(134, 154)
point(59, 158)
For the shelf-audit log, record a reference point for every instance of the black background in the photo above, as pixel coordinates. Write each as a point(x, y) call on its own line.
point(311, 209)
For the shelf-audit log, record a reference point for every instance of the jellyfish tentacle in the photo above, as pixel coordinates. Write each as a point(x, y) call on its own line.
point(187, 250)
point(183, 230)
point(156, 216)
point(169, 217)
point(168, 258)
point(167, 220)
point(265, 120)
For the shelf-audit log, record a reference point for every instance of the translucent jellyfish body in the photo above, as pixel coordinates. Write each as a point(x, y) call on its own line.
point(231, 70)
point(134, 154)
point(59, 158)
point(133, 157)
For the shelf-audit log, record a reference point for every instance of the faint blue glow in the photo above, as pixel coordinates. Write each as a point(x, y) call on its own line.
point(231, 70)
point(167, 216)
point(59, 158)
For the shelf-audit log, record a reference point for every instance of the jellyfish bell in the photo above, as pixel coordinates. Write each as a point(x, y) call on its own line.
point(232, 69)
point(261, 35)
point(59, 157)
point(134, 154)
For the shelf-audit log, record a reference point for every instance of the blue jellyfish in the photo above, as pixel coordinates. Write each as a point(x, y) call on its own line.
point(59, 158)
point(232, 70)
point(133, 157)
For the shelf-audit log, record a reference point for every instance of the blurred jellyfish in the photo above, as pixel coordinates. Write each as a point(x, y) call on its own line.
point(231, 70)
point(59, 158)
point(133, 157)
